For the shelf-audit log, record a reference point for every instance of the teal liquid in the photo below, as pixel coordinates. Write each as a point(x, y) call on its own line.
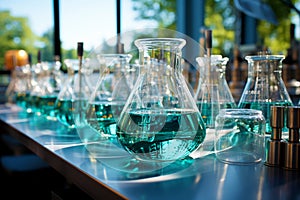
point(67, 110)
point(22, 99)
point(102, 116)
point(47, 105)
point(161, 135)
point(33, 104)
point(265, 107)
point(210, 110)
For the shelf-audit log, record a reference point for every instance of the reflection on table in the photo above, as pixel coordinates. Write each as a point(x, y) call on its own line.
point(103, 169)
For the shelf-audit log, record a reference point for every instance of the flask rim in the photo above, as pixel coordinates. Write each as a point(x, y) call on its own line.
point(264, 57)
point(111, 58)
point(214, 59)
point(114, 56)
point(148, 42)
point(241, 112)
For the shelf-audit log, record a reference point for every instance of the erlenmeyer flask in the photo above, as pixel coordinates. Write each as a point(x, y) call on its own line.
point(264, 87)
point(49, 89)
point(212, 94)
point(19, 87)
point(160, 121)
point(73, 97)
point(37, 78)
point(110, 95)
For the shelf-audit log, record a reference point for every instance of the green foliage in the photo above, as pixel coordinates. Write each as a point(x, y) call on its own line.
point(47, 46)
point(276, 37)
point(223, 33)
point(162, 12)
point(14, 34)
point(221, 18)
point(70, 54)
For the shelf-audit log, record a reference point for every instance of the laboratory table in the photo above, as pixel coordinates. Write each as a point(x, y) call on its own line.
point(103, 170)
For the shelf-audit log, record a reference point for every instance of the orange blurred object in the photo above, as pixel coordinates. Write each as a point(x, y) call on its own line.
point(15, 58)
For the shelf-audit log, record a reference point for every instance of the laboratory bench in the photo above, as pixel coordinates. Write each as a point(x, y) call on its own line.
point(103, 170)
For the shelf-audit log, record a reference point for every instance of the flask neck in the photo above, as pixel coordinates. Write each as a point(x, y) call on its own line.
point(265, 66)
point(114, 63)
point(163, 50)
point(212, 69)
point(264, 83)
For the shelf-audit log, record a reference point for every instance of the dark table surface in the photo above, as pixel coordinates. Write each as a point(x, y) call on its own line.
point(105, 171)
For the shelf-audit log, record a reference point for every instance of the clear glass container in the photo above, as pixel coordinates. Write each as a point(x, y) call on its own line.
point(264, 87)
point(72, 99)
point(110, 94)
point(18, 90)
point(37, 78)
point(160, 121)
point(240, 136)
point(212, 94)
point(50, 86)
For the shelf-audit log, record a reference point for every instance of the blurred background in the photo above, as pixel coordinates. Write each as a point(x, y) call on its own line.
point(31, 25)
point(240, 28)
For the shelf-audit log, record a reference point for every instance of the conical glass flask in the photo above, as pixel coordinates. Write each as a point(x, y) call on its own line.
point(37, 79)
point(264, 87)
point(212, 94)
point(110, 95)
point(18, 90)
point(73, 97)
point(50, 86)
point(160, 121)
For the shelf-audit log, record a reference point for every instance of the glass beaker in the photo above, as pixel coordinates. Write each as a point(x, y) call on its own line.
point(73, 97)
point(212, 94)
point(240, 136)
point(160, 121)
point(264, 87)
point(110, 94)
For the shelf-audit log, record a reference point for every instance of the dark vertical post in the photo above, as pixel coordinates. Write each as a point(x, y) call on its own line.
point(292, 34)
point(120, 46)
point(190, 21)
point(118, 16)
point(190, 17)
point(248, 30)
point(57, 47)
